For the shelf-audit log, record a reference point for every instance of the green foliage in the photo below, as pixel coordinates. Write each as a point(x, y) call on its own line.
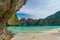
point(40, 22)
point(13, 20)
point(23, 22)
point(30, 22)
point(53, 19)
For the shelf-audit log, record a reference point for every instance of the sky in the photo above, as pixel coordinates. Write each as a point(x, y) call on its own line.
point(23, 15)
point(39, 8)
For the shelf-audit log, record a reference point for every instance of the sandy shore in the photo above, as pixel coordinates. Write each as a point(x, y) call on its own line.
point(53, 34)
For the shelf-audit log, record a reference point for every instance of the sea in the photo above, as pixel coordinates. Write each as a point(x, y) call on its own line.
point(29, 29)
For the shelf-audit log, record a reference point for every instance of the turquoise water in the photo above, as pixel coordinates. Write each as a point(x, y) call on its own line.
point(27, 29)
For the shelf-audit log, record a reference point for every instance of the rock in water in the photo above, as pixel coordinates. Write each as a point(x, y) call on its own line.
point(7, 9)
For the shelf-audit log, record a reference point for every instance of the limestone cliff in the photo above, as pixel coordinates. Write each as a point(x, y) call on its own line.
point(13, 20)
point(7, 9)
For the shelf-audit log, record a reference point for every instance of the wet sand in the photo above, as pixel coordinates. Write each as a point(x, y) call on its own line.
point(53, 34)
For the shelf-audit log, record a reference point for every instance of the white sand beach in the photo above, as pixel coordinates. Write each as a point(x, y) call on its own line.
point(53, 34)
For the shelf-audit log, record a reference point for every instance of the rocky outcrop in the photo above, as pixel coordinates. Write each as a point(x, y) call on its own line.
point(7, 9)
point(13, 21)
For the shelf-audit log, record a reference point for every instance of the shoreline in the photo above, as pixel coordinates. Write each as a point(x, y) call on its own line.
point(53, 34)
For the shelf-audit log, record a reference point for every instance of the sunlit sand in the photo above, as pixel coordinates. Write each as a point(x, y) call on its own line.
point(53, 34)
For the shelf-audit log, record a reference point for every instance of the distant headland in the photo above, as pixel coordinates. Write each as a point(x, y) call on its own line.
point(52, 20)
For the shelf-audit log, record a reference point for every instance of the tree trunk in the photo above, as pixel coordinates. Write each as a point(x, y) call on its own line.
point(4, 33)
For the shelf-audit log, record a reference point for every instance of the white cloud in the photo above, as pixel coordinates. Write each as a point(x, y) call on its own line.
point(41, 10)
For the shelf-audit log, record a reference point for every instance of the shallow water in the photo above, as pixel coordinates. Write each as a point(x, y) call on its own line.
point(31, 29)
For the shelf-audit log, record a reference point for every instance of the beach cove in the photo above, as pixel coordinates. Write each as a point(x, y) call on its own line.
point(35, 32)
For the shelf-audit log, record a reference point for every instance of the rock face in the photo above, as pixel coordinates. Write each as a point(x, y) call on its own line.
point(13, 20)
point(7, 9)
